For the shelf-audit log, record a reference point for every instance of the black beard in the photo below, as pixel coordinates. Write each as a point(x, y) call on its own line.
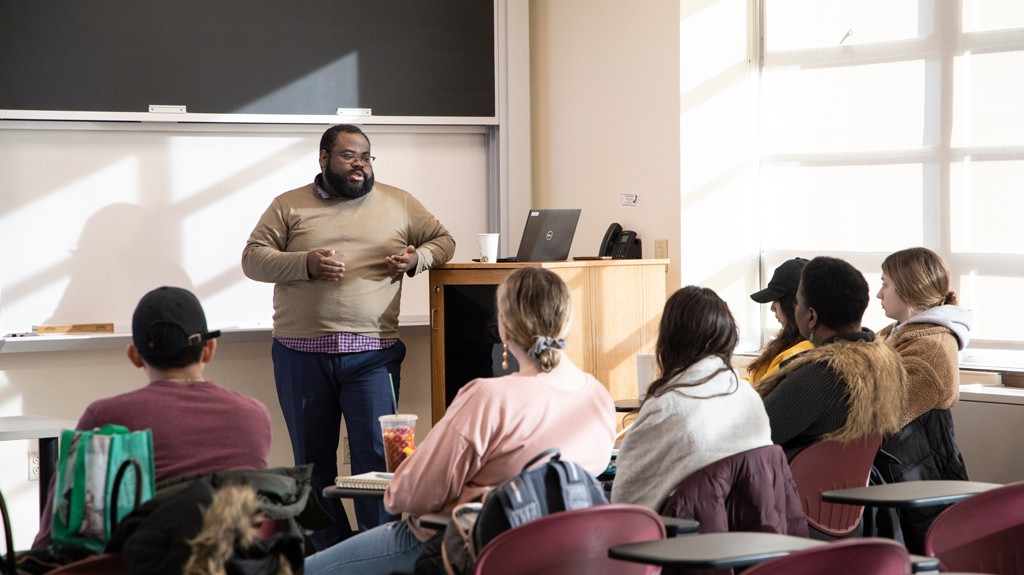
point(340, 187)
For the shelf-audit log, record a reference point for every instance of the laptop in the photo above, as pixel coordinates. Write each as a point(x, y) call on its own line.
point(547, 236)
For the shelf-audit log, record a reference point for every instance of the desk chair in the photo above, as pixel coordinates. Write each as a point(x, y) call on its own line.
point(828, 465)
point(574, 541)
point(983, 533)
point(858, 556)
point(9, 563)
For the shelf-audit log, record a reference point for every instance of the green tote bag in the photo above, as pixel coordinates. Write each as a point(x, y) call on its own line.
point(103, 475)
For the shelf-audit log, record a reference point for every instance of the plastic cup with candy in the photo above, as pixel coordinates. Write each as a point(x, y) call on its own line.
point(399, 433)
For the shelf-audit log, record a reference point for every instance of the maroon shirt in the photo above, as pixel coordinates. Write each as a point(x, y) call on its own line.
point(197, 428)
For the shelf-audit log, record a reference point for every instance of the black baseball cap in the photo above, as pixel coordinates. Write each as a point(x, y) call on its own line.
point(168, 321)
point(784, 281)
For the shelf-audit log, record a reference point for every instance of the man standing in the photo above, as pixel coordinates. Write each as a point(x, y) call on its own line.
point(336, 250)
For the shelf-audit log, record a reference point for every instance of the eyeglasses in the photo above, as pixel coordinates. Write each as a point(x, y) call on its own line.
point(350, 157)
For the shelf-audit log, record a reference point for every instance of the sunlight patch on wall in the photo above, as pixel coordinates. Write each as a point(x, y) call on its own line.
point(718, 123)
point(76, 217)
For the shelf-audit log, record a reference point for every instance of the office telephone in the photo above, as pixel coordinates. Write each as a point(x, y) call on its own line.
point(620, 244)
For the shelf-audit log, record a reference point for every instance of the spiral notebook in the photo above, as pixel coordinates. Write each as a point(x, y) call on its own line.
point(374, 481)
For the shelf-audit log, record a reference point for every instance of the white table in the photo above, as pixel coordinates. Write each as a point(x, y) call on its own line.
point(47, 431)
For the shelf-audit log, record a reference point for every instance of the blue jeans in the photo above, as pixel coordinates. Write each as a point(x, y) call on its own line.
point(315, 390)
point(390, 548)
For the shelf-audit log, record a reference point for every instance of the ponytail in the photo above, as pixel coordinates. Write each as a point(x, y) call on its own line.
point(950, 298)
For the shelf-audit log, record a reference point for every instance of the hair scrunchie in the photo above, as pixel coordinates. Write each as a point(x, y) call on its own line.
point(542, 342)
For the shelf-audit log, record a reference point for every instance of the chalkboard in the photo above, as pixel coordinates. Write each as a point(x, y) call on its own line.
point(95, 218)
point(431, 58)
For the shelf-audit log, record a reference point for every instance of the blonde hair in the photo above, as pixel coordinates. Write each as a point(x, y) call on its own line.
point(535, 309)
point(920, 277)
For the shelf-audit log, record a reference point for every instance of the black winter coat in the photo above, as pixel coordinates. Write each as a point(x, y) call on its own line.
point(925, 449)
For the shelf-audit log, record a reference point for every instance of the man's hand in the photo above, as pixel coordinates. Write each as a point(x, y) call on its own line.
point(404, 261)
point(321, 265)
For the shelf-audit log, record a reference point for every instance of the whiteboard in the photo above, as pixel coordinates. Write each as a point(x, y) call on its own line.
point(94, 217)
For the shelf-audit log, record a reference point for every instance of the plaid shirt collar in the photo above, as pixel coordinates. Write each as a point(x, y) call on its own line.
point(318, 188)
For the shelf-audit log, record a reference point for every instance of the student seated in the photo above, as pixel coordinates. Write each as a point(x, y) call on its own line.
point(492, 428)
point(930, 331)
point(851, 385)
point(698, 411)
point(198, 427)
point(781, 292)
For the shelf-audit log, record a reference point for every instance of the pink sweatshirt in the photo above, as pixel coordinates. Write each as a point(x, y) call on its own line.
point(491, 430)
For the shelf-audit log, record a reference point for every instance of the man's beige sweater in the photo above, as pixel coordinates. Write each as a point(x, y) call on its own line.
point(362, 232)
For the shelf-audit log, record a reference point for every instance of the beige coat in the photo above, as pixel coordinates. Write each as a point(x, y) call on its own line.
point(929, 354)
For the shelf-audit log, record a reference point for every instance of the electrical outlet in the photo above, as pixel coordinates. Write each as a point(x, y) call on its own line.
point(346, 455)
point(629, 200)
point(660, 249)
point(33, 466)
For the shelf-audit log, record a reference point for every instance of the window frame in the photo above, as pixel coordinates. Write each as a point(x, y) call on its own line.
point(936, 156)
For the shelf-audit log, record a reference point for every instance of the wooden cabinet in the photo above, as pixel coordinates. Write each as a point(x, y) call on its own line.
point(616, 309)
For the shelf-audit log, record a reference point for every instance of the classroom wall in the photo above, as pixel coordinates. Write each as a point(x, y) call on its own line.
point(988, 433)
point(604, 95)
point(655, 100)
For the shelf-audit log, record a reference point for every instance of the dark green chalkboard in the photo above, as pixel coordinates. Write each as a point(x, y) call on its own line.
point(397, 57)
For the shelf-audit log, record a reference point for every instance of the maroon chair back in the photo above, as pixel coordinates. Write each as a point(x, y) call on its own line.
point(858, 556)
point(574, 541)
point(828, 465)
point(271, 527)
point(983, 533)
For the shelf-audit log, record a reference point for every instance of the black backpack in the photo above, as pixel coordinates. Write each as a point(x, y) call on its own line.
point(537, 491)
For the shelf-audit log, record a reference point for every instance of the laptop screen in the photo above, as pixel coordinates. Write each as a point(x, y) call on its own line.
point(548, 235)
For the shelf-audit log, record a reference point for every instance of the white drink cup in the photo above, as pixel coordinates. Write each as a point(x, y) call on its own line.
point(488, 247)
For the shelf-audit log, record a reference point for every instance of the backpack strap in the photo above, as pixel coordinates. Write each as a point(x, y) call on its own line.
point(554, 453)
point(521, 502)
point(459, 547)
point(578, 486)
point(519, 498)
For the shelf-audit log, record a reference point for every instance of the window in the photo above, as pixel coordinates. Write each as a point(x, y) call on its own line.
point(887, 124)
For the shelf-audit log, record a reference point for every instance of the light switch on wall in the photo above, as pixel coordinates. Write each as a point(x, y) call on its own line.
point(660, 249)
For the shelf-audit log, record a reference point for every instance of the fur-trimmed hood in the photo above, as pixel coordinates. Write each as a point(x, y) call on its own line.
point(874, 377)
